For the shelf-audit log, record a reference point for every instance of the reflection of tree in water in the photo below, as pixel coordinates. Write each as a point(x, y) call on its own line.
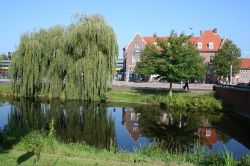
point(88, 122)
point(74, 122)
point(24, 116)
point(176, 131)
point(223, 137)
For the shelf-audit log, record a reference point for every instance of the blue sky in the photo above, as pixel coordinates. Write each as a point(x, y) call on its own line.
point(127, 17)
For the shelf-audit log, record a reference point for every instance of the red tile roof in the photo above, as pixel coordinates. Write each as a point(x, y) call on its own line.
point(205, 38)
point(152, 40)
point(245, 63)
point(209, 36)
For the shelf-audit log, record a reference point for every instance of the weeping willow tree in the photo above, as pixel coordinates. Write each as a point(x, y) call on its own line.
point(78, 60)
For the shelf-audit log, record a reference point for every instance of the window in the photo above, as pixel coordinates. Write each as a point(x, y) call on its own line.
point(208, 133)
point(133, 58)
point(210, 45)
point(199, 45)
point(135, 129)
point(137, 46)
point(243, 75)
point(136, 57)
point(132, 116)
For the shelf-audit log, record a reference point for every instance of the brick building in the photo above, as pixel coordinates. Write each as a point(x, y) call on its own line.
point(208, 43)
point(244, 74)
point(130, 120)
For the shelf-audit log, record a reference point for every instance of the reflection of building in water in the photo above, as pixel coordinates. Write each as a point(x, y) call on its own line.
point(130, 121)
point(207, 134)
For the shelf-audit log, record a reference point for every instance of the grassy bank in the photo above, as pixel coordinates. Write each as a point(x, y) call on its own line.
point(47, 150)
point(129, 95)
point(5, 89)
point(152, 96)
point(200, 101)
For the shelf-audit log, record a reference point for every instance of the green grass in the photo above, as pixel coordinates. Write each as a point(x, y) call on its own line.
point(180, 100)
point(47, 150)
point(201, 101)
point(145, 96)
point(5, 89)
point(11, 158)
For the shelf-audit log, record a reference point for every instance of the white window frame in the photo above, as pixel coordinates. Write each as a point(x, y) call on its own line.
point(210, 45)
point(208, 133)
point(199, 45)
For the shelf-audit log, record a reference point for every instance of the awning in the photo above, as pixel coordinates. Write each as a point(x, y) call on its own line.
point(118, 69)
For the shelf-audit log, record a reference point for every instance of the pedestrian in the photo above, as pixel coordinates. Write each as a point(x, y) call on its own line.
point(186, 86)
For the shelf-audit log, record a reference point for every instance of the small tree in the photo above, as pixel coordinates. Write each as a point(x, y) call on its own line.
point(228, 55)
point(174, 59)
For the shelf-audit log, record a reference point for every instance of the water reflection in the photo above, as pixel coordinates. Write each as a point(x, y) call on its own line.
point(124, 127)
point(74, 121)
point(130, 120)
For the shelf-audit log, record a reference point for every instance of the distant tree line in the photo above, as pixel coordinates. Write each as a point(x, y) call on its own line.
point(6, 56)
point(77, 61)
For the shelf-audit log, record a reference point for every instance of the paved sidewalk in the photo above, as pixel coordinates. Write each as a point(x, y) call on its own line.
point(5, 80)
point(162, 85)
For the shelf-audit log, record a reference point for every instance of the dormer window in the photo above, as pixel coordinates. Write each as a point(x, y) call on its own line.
point(210, 45)
point(199, 45)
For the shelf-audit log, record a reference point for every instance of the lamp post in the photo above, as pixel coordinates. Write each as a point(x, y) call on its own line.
point(231, 71)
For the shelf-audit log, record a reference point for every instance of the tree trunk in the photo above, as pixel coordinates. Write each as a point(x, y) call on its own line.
point(170, 90)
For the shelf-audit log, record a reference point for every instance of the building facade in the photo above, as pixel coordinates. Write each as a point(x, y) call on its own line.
point(119, 70)
point(244, 74)
point(208, 43)
point(4, 68)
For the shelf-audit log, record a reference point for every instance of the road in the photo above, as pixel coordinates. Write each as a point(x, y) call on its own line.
point(162, 85)
point(152, 85)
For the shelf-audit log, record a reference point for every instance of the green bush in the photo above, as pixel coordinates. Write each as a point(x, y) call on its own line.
point(199, 103)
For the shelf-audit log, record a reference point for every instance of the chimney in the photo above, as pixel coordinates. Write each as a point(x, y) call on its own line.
point(200, 32)
point(155, 34)
point(215, 30)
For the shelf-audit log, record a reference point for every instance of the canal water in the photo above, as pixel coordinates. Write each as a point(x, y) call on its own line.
point(125, 126)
